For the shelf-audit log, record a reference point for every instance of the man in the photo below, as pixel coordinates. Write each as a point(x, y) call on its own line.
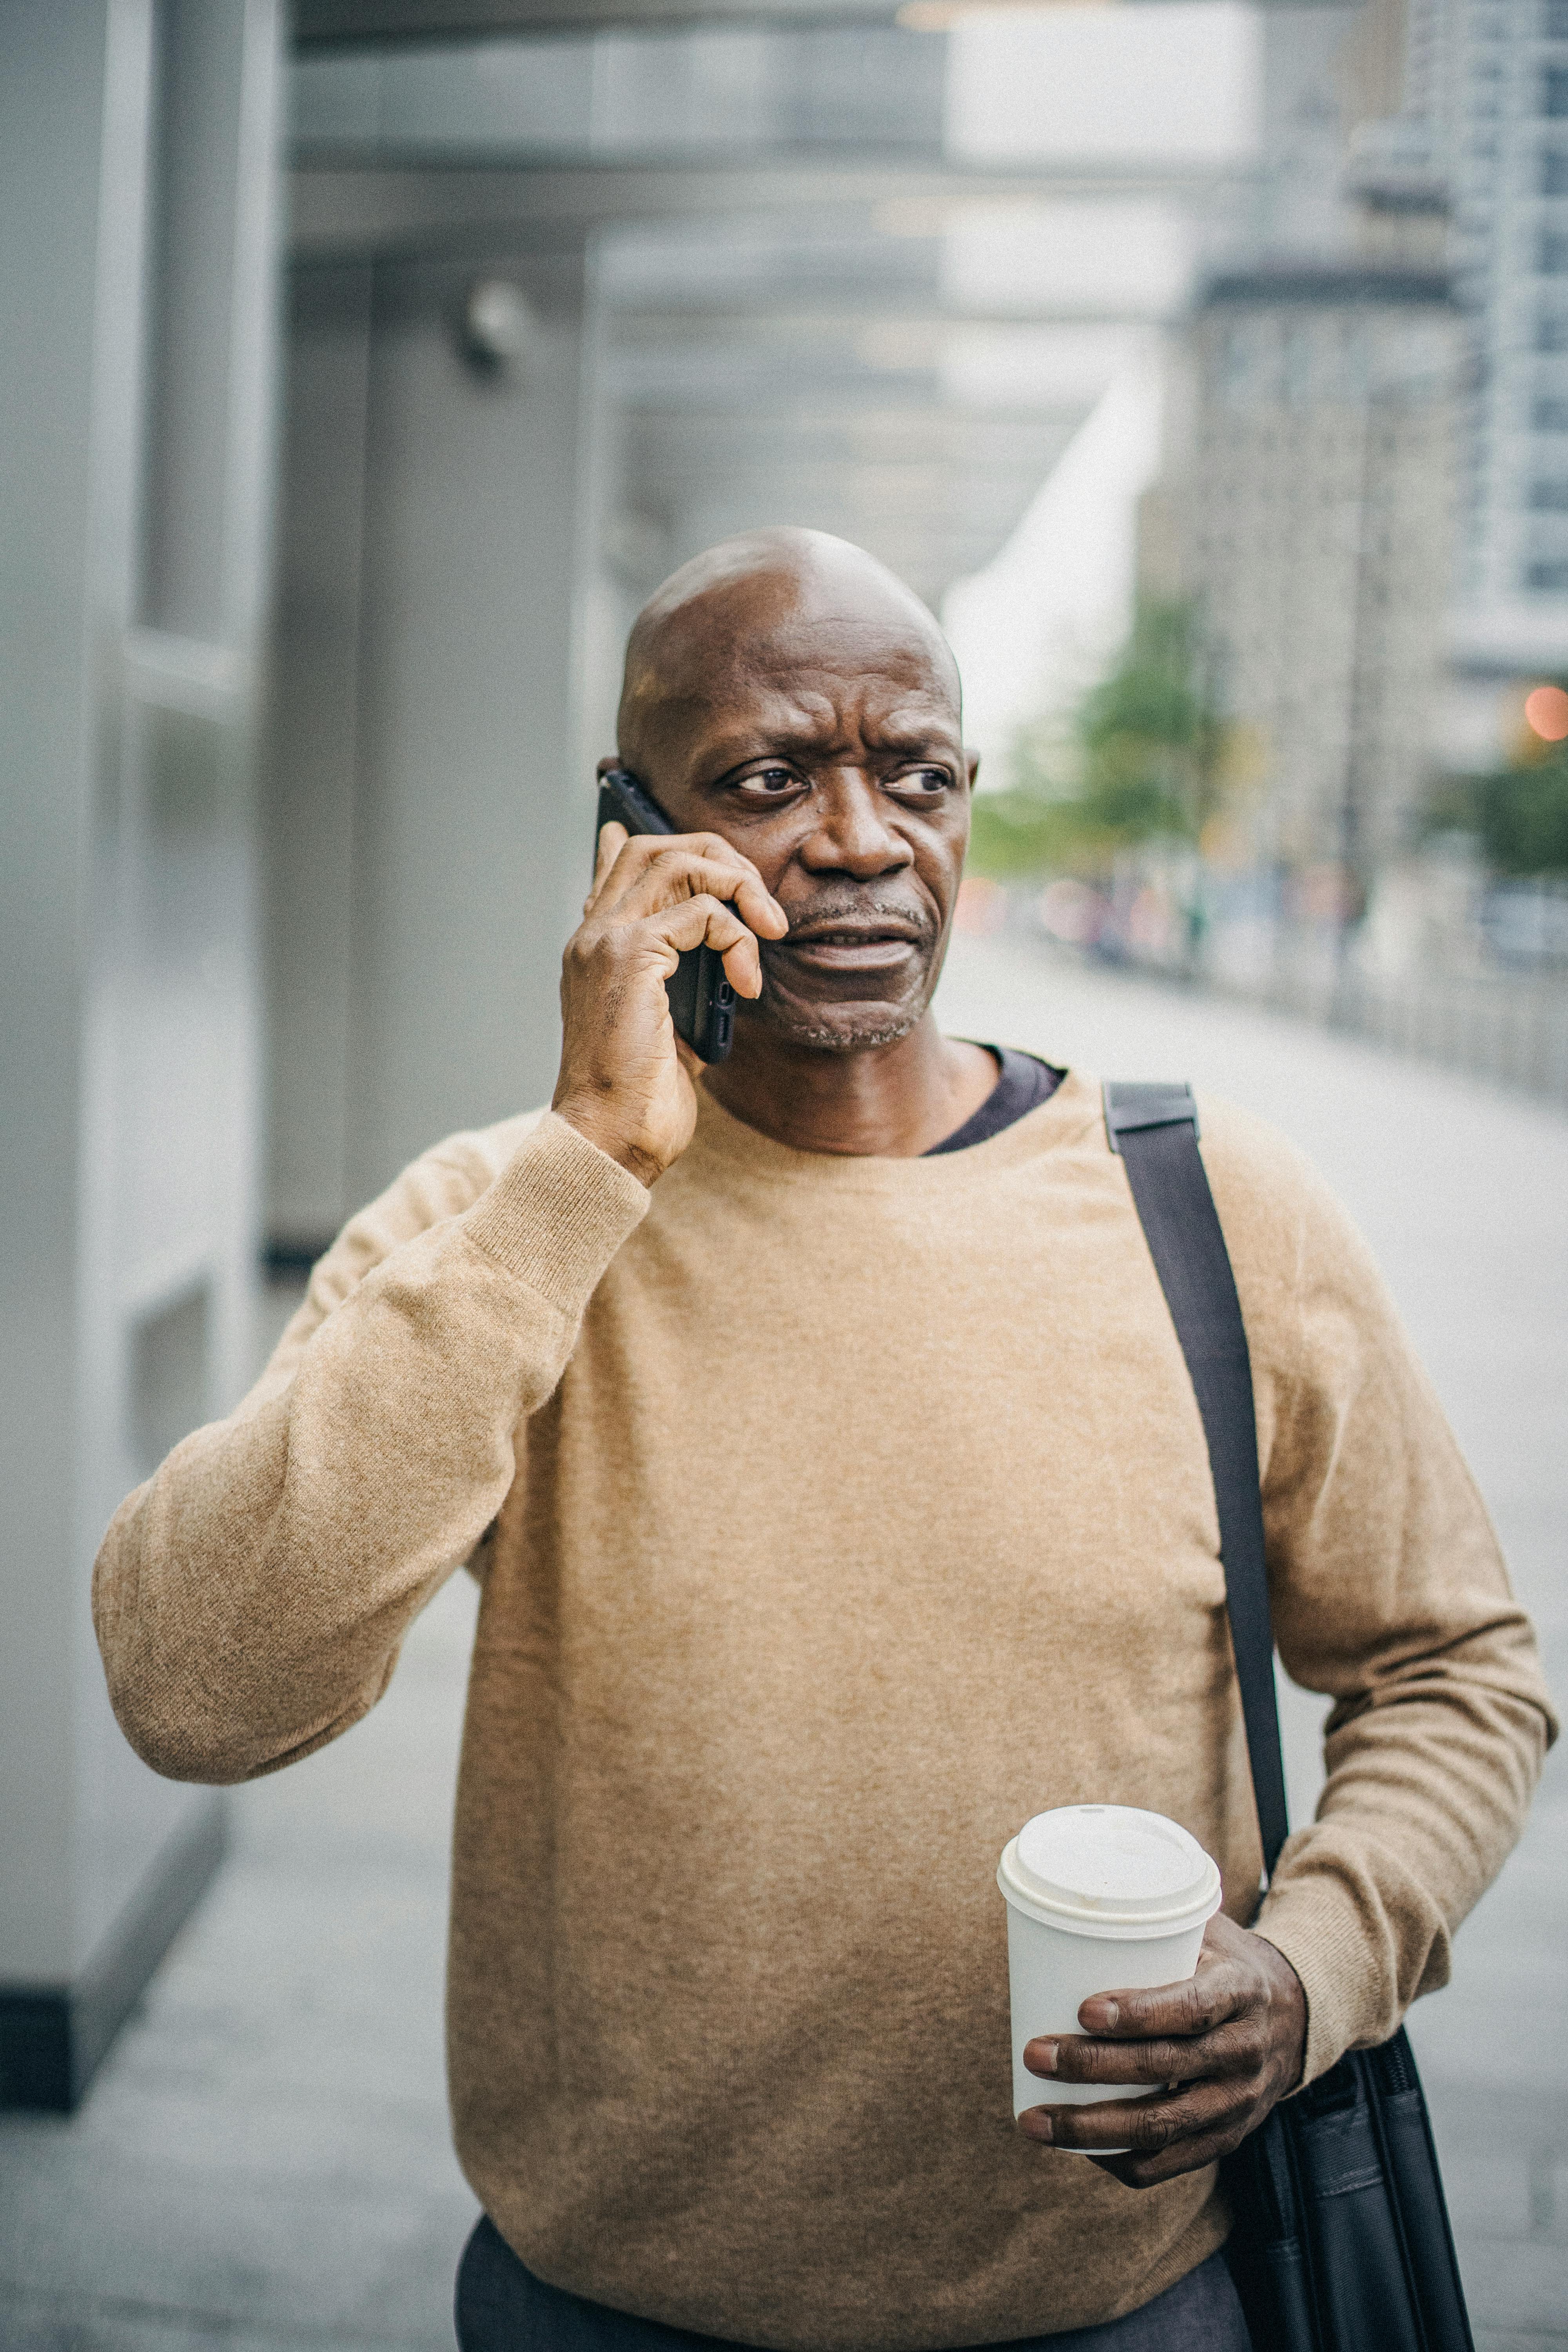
point(818, 1429)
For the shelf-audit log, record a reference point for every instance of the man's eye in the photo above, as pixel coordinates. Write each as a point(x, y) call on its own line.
point(769, 779)
point(925, 783)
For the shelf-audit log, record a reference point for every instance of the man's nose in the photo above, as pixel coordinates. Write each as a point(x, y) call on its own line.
point(852, 831)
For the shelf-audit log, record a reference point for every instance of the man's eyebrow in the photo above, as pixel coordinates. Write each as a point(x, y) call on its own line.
point(898, 730)
point(913, 727)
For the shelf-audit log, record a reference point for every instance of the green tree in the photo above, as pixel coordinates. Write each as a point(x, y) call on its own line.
point(1140, 760)
point(1518, 813)
point(1523, 814)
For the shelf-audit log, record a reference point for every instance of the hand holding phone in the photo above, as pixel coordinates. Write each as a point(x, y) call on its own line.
point(637, 1011)
point(701, 1001)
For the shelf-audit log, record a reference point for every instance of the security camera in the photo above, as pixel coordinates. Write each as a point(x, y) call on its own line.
point(498, 322)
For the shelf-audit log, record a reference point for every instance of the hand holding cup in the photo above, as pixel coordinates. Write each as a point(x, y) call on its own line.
point(1222, 2047)
point(1203, 2026)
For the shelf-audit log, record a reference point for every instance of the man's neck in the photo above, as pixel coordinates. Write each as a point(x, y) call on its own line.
point(892, 1101)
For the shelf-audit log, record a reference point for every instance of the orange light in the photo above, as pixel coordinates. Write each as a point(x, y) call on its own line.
point(1546, 711)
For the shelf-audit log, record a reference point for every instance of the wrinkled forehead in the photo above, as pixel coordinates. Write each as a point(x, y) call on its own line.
point(777, 640)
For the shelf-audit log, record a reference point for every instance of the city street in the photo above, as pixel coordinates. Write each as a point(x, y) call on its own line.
point(263, 2162)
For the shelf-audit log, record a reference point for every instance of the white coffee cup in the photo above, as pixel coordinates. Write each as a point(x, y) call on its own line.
point(1099, 1897)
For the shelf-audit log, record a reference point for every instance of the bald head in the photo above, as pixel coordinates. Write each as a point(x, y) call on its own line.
point(701, 634)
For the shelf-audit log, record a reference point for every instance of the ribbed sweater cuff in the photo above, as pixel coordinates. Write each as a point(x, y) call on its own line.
point(557, 1214)
point(1319, 1926)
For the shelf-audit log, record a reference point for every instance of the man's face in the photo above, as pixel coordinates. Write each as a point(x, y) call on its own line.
point(818, 732)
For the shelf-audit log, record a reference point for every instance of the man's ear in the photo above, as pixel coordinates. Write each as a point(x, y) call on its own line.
point(971, 761)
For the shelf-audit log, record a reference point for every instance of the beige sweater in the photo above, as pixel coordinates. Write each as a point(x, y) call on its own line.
point(834, 1515)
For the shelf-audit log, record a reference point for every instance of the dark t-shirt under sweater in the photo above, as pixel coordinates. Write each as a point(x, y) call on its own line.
point(1024, 1084)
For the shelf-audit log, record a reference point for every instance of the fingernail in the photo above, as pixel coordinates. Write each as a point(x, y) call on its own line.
point(1041, 2057)
point(1100, 2016)
point(1037, 2124)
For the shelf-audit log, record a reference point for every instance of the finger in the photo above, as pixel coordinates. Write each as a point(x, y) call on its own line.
point(1224, 1946)
point(1187, 2152)
point(1237, 2047)
point(613, 839)
point(716, 849)
point(707, 921)
point(655, 870)
point(743, 969)
point(1145, 2126)
point(623, 859)
point(1186, 2156)
point(663, 890)
point(1221, 1990)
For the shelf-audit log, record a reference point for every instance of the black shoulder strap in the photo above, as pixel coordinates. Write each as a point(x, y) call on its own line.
point(1155, 1130)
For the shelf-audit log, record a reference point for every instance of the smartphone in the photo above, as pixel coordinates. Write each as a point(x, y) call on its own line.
point(701, 1001)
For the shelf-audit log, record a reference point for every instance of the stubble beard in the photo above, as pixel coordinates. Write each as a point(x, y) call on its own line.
point(859, 1030)
point(857, 1039)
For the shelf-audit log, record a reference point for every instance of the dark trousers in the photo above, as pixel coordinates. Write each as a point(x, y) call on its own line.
point(502, 2307)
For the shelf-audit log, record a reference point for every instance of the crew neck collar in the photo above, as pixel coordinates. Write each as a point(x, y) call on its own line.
point(724, 1142)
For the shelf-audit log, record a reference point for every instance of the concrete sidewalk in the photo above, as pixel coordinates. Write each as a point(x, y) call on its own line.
point(263, 2164)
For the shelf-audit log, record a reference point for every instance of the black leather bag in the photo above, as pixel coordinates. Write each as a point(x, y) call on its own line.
point(1342, 2241)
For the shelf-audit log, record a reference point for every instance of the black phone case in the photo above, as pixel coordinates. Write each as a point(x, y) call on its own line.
point(701, 1001)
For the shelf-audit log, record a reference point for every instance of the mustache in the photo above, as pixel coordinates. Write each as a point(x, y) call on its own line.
point(861, 909)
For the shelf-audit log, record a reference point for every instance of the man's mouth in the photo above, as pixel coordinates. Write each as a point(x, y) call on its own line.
point(881, 941)
point(852, 947)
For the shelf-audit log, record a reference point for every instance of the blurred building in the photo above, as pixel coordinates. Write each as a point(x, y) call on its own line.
point(1488, 89)
point(1366, 458)
point(1416, 202)
point(1318, 533)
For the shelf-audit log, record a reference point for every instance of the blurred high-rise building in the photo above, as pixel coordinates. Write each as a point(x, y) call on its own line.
point(1487, 89)
point(1319, 527)
point(1367, 488)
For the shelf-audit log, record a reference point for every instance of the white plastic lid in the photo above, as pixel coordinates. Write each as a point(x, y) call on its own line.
point(1097, 1867)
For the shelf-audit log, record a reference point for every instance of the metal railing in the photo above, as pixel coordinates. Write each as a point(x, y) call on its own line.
point(1509, 1027)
